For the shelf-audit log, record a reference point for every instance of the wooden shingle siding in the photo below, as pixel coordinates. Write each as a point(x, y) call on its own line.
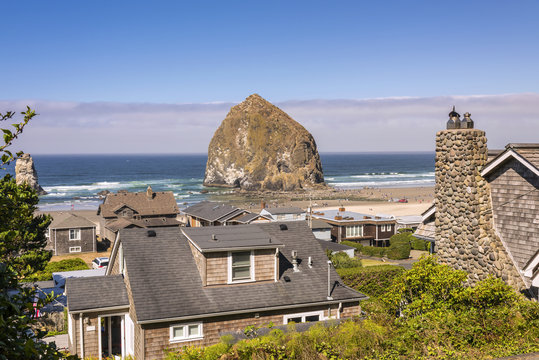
point(264, 265)
point(157, 335)
point(60, 239)
point(515, 201)
point(216, 268)
point(200, 261)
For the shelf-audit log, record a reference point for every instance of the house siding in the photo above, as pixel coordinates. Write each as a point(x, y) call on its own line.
point(200, 261)
point(60, 243)
point(216, 268)
point(157, 336)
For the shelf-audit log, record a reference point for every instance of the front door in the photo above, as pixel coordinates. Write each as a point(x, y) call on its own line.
point(116, 332)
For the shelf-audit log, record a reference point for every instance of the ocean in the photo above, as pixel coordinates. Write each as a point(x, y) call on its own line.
point(73, 181)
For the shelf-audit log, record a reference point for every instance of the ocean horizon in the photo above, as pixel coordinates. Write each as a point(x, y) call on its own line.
point(74, 181)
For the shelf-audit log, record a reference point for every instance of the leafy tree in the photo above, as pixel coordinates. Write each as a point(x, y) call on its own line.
point(22, 242)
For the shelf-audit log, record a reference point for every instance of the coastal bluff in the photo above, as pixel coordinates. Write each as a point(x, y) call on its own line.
point(260, 147)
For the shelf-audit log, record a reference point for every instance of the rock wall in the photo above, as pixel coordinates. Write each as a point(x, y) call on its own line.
point(25, 173)
point(465, 235)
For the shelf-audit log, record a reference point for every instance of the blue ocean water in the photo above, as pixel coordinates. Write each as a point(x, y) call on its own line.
point(73, 181)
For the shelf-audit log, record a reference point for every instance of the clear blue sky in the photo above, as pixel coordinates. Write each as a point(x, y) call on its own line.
point(202, 51)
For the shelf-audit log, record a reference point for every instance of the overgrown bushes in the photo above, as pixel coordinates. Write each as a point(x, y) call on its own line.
point(438, 317)
point(58, 266)
point(418, 244)
point(372, 280)
point(343, 261)
point(399, 247)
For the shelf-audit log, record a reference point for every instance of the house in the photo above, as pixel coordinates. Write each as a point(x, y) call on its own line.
point(426, 229)
point(207, 281)
point(408, 221)
point(291, 213)
point(147, 209)
point(71, 233)
point(487, 206)
point(207, 213)
point(321, 229)
point(251, 218)
point(366, 229)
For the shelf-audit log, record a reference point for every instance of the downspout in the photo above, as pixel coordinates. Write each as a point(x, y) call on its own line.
point(329, 281)
point(339, 310)
point(81, 319)
point(93, 239)
point(55, 248)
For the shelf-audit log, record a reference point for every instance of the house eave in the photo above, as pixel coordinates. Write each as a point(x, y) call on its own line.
point(236, 312)
point(110, 308)
point(503, 157)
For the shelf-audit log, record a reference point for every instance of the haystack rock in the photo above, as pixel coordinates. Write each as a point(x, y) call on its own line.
point(259, 147)
point(25, 173)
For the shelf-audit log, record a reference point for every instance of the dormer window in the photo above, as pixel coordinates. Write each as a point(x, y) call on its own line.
point(240, 266)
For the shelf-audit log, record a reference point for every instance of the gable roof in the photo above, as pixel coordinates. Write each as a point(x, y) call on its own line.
point(211, 211)
point(69, 220)
point(107, 292)
point(248, 217)
point(171, 289)
point(526, 154)
point(220, 238)
point(160, 203)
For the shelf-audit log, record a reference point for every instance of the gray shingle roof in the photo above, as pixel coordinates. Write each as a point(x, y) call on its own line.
point(318, 224)
point(330, 245)
point(67, 220)
point(210, 211)
point(160, 203)
point(96, 292)
point(230, 237)
point(171, 288)
point(247, 218)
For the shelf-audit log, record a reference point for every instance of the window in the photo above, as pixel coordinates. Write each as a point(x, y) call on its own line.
point(388, 227)
point(354, 231)
point(383, 228)
point(304, 317)
point(74, 234)
point(74, 249)
point(186, 332)
point(240, 266)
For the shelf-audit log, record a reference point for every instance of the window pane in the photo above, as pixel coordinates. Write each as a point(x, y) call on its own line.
point(294, 319)
point(193, 330)
point(243, 272)
point(312, 318)
point(241, 258)
point(177, 332)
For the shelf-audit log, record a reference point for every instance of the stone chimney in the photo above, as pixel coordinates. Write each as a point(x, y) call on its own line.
point(465, 235)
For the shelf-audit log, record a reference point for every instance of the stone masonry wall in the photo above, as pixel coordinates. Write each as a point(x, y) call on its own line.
point(465, 235)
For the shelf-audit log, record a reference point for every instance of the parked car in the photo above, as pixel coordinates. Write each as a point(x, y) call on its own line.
point(100, 262)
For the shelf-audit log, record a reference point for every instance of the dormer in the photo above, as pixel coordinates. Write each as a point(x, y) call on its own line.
point(234, 254)
point(124, 211)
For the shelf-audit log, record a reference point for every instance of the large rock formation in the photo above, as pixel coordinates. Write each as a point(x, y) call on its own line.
point(258, 146)
point(25, 173)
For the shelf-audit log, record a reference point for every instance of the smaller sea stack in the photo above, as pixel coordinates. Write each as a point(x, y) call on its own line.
point(25, 173)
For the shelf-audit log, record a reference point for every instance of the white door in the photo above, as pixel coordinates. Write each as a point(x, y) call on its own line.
point(129, 336)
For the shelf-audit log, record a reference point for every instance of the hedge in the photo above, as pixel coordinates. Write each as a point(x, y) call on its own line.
point(58, 266)
point(373, 280)
point(419, 244)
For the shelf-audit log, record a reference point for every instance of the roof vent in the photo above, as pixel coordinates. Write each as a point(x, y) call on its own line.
point(286, 279)
point(151, 233)
point(213, 237)
point(283, 227)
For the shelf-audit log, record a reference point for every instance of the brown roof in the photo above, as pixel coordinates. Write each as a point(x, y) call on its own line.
point(160, 203)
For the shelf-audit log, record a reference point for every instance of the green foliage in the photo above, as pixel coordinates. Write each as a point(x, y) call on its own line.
point(57, 266)
point(405, 230)
point(419, 244)
point(22, 235)
point(343, 261)
point(373, 280)
point(6, 156)
point(353, 244)
point(399, 247)
point(374, 251)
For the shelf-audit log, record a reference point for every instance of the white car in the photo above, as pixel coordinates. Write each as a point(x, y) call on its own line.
point(100, 262)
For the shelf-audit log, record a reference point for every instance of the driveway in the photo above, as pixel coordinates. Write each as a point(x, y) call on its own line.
point(60, 340)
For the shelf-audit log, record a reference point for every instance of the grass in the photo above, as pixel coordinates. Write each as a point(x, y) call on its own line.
point(370, 262)
point(87, 257)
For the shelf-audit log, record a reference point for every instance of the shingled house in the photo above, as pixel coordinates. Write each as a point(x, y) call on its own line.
point(366, 229)
point(148, 209)
point(208, 281)
point(71, 233)
point(208, 213)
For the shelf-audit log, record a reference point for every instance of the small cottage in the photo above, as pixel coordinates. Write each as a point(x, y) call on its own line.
point(71, 233)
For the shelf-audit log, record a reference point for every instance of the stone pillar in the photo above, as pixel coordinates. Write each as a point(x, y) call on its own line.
point(465, 235)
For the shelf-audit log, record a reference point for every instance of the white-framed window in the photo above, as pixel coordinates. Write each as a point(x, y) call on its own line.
point(312, 316)
point(74, 249)
point(186, 332)
point(241, 267)
point(388, 227)
point(74, 234)
point(354, 230)
point(383, 228)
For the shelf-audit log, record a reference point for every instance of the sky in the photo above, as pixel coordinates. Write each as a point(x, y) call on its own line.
point(139, 76)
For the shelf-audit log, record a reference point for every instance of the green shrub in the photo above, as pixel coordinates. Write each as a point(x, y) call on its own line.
point(405, 230)
point(419, 244)
point(399, 246)
point(343, 261)
point(374, 251)
point(353, 244)
point(373, 280)
point(58, 266)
